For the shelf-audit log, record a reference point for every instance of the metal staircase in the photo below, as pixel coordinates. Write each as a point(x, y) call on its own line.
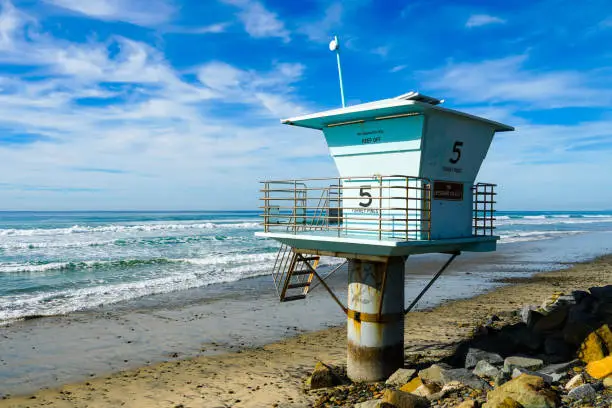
point(293, 272)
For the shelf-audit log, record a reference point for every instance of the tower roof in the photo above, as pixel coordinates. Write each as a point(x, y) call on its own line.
point(408, 103)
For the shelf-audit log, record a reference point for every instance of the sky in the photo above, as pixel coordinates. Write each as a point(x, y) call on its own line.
point(175, 104)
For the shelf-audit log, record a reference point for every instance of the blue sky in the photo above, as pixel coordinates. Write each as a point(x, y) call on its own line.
point(175, 104)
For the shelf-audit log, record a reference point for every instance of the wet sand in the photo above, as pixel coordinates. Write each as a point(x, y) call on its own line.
point(274, 373)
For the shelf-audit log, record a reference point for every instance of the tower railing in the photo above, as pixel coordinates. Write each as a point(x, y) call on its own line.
point(376, 207)
point(484, 209)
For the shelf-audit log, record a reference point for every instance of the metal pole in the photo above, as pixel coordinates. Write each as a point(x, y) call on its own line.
point(339, 69)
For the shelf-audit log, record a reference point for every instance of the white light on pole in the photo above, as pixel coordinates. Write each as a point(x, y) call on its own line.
point(334, 45)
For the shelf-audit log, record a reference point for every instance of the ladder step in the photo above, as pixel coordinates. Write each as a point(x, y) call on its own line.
point(298, 285)
point(291, 298)
point(304, 272)
point(310, 258)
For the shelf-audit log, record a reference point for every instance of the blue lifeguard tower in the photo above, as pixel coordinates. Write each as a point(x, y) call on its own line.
point(406, 185)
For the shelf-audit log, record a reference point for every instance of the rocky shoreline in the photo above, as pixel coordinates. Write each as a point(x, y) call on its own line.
point(558, 354)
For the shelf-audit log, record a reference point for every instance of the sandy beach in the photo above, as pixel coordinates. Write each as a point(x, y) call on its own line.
point(273, 375)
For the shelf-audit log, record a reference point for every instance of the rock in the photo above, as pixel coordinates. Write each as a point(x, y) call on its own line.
point(556, 345)
point(579, 295)
point(426, 390)
point(582, 392)
point(605, 335)
point(434, 373)
point(474, 355)
point(401, 376)
point(575, 381)
point(529, 315)
point(563, 301)
point(604, 310)
point(607, 382)
point(592, 348)
point(601, 368)
point(465, 377)
point(447, 389)
point(518, 371)
point(603, 293)
point(368, 404)
point(522, 337)
point(399, 399)
point(412, 385)
point(468, 404)
point(485, 369)
point(575, 331)
point(558, 368)
point(506, 403)
point(510, 363)
point(322, 377)
point(552, 321)
point(528, 390)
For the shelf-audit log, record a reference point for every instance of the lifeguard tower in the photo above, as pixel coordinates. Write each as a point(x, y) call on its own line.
point(406, 185)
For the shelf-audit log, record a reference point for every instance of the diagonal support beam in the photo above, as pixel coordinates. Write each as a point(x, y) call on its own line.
point(432, 281)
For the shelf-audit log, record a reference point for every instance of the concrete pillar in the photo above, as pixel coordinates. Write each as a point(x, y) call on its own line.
point(375, 346)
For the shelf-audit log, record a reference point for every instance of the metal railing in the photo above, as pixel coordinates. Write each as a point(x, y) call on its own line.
point(379, 207)
point(484, 209)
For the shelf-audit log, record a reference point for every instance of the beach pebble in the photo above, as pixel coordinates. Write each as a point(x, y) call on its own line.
point(401, 377)
point(576, 381)
point(474, 355)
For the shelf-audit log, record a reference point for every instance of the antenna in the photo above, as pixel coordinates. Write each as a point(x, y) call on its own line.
point(334, 45)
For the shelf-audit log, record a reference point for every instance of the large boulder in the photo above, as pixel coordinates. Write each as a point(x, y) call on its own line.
point(474, 355)
point(528, 390)
point(520, 371)
point(468, 404)
point(603, 293)
point(584, 391)
point(434, 373)
point(597, 345)
point(401, 377)
point(510, 363)
point(551, 321)
point(486, 369)
point(465, 377)
point(601, 368)
point(400, 399)
point(505, 403)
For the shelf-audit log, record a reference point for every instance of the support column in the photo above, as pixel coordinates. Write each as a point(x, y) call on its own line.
point(375, 343)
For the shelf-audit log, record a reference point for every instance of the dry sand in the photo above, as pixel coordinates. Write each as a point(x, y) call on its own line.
point(274, 374)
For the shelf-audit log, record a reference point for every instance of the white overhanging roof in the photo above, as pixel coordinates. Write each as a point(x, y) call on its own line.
point(412, 102)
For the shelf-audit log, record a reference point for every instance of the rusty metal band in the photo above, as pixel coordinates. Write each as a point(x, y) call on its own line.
point(374, 317)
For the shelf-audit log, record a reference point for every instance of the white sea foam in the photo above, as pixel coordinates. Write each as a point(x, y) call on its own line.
point(77, 229)
point(526, 236)
point(222, 269)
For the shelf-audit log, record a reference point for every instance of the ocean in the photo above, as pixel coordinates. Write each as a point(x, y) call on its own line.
point(55, 263)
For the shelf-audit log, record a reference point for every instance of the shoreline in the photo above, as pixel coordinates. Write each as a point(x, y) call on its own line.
point(273, 373)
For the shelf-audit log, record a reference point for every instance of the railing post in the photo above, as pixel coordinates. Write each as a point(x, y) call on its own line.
point(338, 205)
point(407, 203)
point(379, 208)
point(266, 207)
point(294, 206)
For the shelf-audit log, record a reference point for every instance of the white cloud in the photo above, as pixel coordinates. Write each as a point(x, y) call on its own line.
point(258, 21)
point(479, 20)
point(163, 130)
point(323, 29)
point(398, 68)
point(507, 80)
point(139, 12)
point(216, 28)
